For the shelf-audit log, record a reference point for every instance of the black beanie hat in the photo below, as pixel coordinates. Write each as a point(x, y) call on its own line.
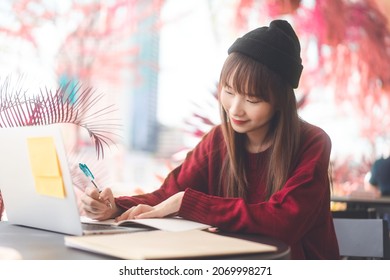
point(276, 46)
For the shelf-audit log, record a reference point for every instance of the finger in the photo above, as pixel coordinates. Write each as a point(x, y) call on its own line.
point(92, 205)
point(213, 229)
point(89, 201)
point(92, 192)
point(86, 201)
point(109, 204)
point(140, 209)
point(106, 194)
point(93, 215)
point(148, 215)
point(107, 197)
point(134, 211)
point(93, 209)
point(124, 215)
point(90, 214)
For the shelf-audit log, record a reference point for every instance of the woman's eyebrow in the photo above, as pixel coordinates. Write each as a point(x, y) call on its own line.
point(228, 86)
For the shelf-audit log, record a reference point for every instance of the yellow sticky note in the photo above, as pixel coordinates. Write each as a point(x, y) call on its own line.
point(45, 166)
point(52, 186)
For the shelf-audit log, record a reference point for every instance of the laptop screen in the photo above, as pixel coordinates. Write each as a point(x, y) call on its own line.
point(35, 181)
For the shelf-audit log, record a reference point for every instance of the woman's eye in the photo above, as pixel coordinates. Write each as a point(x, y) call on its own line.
point(254, 100)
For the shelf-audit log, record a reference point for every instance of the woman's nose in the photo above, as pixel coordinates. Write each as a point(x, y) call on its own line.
point(236, 107)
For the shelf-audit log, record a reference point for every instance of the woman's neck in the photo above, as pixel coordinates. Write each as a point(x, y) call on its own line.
point(258, 142)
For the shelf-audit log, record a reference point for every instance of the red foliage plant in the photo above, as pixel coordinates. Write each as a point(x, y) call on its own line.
point(354, 57)
point(100, 46)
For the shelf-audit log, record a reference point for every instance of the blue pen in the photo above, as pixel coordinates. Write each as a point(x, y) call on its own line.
point(89, 174)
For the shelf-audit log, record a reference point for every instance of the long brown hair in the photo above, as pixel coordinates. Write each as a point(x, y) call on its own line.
point(247, 75)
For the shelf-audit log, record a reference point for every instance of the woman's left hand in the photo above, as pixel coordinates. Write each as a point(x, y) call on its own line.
point(168, 207)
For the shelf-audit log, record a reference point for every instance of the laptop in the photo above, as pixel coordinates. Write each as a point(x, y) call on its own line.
point(26, 202)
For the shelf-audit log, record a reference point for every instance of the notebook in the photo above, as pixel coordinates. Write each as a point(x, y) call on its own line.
point(167, 245)
point(172, 224)
point(36, 184)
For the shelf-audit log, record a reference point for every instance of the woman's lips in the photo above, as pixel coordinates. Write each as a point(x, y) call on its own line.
point(238, 122)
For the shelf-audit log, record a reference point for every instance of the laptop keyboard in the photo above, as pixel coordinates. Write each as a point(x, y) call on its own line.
point(101, 228)
point(97, 226)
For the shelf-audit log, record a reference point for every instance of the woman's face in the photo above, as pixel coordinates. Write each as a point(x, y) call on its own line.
point(247, 114)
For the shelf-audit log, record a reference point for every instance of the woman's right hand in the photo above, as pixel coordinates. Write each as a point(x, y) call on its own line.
point(99, 206)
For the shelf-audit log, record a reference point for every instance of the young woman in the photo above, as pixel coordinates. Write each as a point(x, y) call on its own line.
point(263, 170)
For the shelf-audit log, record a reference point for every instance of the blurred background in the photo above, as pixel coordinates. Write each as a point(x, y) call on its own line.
point(158, 62)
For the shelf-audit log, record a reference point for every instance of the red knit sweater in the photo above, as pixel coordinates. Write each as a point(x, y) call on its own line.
point(299, 214)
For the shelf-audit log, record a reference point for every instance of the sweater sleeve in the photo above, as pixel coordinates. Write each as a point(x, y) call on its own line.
point(288, 214)
point(192, 173)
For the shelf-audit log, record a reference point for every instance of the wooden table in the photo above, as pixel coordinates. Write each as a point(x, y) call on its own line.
point(35, 244)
